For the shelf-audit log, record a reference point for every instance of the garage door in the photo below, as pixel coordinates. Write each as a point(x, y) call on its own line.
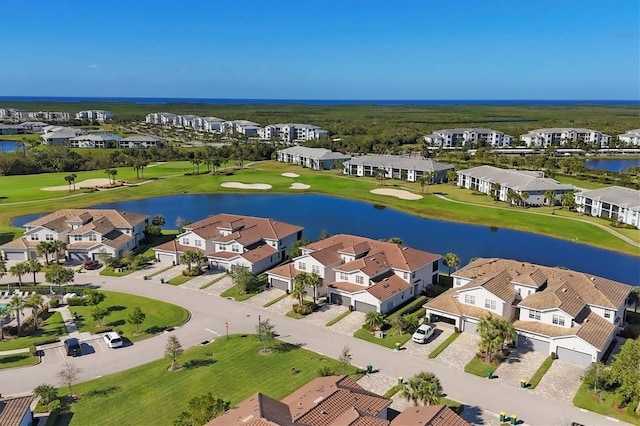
point(441, 318)
point(78, 256)
point(470, 327)
point(281, 284)
point(533, 344)
point(166, 257)
point(338, 299)
point(364, 307)
point(14, 255)
point(575, 357)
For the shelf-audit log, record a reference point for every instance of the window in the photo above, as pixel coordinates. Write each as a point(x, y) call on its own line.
point(469, 299)
point(534, 314)
point(607, 314)
point(235, 248)
point(198, 243)
point(406, 275)
point(359, 279)
point(558, 319)
point(48, 237)
point(490, 304)
point(315, 269)
point(35, 237)
point(302, 266)
point(344, 276)
point(93, 237)
point(185, 241)
point(77, 238)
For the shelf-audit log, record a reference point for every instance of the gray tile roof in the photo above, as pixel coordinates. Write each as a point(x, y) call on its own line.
point(140, 138)
point(314, 153)
point(399, 162)
point(515, 179)
point(624, 197)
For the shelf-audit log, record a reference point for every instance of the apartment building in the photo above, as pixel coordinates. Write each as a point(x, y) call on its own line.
point(544, 138)
point(95, 115)
point(614, 202)
point(450, 138)
point(631, 137)
point(290, 132)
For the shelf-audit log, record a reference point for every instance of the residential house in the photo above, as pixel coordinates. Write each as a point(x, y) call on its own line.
point(572, 314)
point(614, 202)
point(33, 126)
point(102, 140)
point(313, 158)
point(140, 141)
point(290, 132)
point(631, 137)
point(409, 168)
point(88, 233)
point(244, 127)
point(16, 411)
point(365, 274)
point(95, 115)
point(449, 138)
point(11, 129)
point(228, 239)
point(60, 136)
point(562, 136)
point(491, 180)
point(332, 400)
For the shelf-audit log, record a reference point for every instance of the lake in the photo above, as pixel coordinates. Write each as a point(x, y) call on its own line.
point(612, 164)
point(10, 146)
point(319, 213)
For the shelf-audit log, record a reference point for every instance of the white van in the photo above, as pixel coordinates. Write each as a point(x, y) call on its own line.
point(112, 339)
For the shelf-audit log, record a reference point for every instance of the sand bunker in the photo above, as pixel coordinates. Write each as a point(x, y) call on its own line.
point(238, 185)
point(88, 183)
point(400, 193)
point(292, 175)
point(297, 185)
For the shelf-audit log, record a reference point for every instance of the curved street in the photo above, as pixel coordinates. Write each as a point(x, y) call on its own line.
point(208, 316)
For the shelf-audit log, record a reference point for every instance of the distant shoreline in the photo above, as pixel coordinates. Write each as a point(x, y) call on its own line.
point(384, 102)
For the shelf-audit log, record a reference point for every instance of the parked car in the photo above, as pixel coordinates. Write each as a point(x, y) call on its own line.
point(72, 346)
point(112, 339)
point(423, 333)
point(91, 264)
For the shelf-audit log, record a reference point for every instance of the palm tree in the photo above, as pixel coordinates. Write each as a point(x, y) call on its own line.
point(495, 191)
point(422, 389)
point(451, 261)
point(57, 246)
point(18, 270)
point(35, 301)
point(452, 176)
point(69, 179)
point(550, 197)
point(44, 248)
point(33, 266)
point(3, 268)
point(315, 281)
point(568, 201)
point(112, 174)
point(4, 311)
point(507, 332)
point(190, 258)
point(380, 175)
point(634, 298)
point(300, 284)
point(17, 304)
point(490, 335)
point(425, 180)
point(374, 320)
point(524, 196)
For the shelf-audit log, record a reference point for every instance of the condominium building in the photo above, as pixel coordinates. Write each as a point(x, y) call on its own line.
point(631, 137)
point(544, 138)
point(313, 158)
point(613, 202)
point(95, 115)
point(449, 138)
point(289, 132)
point(409, 168)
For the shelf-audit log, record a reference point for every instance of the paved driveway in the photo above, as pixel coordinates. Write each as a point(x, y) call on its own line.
point(349, 324)
point(460, 351)
point(324, 314)
point(440, 334)
point(561, 382)
point(521, 364)
point(264, 297)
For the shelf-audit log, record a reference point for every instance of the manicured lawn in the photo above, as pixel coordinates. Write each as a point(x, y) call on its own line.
point(234, 371)
point(394, 390)
point(479, 368)
point(442, 346)
point(389, 341)
point(294, 315)
point(539, 374)
point(18, 360)
point(159, 315)
point(113, 273)
point(52, 329)
point(180, 279)
point(586, 399)
point(338, 318)
point(235, 294)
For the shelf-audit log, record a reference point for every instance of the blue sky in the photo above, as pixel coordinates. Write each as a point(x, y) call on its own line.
point(322, 49)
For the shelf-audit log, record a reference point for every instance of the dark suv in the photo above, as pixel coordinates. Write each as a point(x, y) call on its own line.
point(72, 345)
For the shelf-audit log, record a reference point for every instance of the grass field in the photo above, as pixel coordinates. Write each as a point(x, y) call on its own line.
point(18, 360)
point(608, 406)
point(539, 374)
point(389, 341)
point(52, 329)
point(159, 315)
point(234, 371)
point(233, 293)
point(479, 368)
point(442, 346)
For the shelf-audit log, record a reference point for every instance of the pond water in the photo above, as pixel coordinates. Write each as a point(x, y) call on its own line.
point(319, 213)
point(612, 164)
point(10, 146)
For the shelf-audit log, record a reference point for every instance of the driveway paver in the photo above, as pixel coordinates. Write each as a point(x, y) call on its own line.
point(349, 324)
point(561, 382)
point(324, 314)
point(218, 288)
point(263, 297)
point(441, 333)
point(521, 364)
point(460, 351)
point(281, 307)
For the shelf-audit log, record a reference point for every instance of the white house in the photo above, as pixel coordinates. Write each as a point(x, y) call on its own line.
point(87, 233)
point(212, 124)
point(631, 137)
point(34, 126)
point(313, 158)
point(290, 132)
point(572, 314)
point(95, 115)
point(614, 202)
point(63, 135)
point(366, 274)
point(487, 179)
point(227, 240)
point(140, 141)
point(409, 168)
point(448, 138)
point(561, 136)
point(243, 127)
point(103, 140)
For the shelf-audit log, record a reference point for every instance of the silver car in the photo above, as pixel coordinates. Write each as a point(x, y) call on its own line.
point(423, 333)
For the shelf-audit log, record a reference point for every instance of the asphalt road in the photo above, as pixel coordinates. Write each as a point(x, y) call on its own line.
point(208, 317)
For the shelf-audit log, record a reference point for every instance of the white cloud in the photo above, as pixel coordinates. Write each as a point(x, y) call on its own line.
point(94, 66)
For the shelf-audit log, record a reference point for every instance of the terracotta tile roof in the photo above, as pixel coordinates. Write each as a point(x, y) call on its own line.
point(348, 287)
point(543, 329)
point(388, 287)
point(326, 256)
point(267, 228)
point(596, 331)
point(58, 224)
point(356, 249)
point(257, 410)
point(498, 284)
point(173, 246)
point(20, 243)
point(430, 415)
point(101, 226)
point(225, 255)
point(12, 410)
point(563, 297)
point(116, 239)
point(120, 219)
point(355, 265)
point(448, 302)
point(614, 291)
point(367, 421)
point(261, 252)
point(82, 245)
point(287, 270)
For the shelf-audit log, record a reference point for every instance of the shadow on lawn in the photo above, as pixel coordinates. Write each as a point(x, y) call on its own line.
point(196, 363)
point(103, 392)
point(116, 308)
point(287, 347)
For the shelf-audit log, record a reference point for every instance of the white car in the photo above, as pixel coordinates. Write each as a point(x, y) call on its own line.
point(423, 333)
point(112, 339)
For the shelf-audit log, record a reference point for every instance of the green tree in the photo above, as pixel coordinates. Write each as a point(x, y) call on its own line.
point(191, 258)
point(44, 248)
point(625, 371)
point(381, 175)
point(202, 409)
point(524, 196)
point(35, 302)
point(4, 311)
point(374, 319)
point(94, 297)
point(57, 247)
point(47, 393)
point(596, 376)
point(58, 275)
point(315, 281)
point(16, 304)
point(99, 313)
point(452, 176)
point(70, 178)
point(296, 247)
point(173, 350)
point(3, 268)
point(18, 270)
point(425, 180)
point(451, 260)
point(265, 333)
point(422, 389)
point(490, 336)
point(242, 277)
point(33, 267)
point(634, 298)
point(136, 317)
point(568, 201)
point(550, 197)
point(300, 284)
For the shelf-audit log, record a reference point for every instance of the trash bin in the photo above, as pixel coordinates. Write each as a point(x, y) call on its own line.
point(400, 380)
point(397, 346)
point(514, 419)
point(489, 374)
point(523, 383)
point(161, 280)
point(146, 277)
point(369, 369)
point(503, 416)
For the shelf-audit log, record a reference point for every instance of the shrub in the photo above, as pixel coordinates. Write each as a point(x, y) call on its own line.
point(54, 303)
point(325, 371)
point(33, 351)
point(54, 405)
point(76, 301)
point(302, 309)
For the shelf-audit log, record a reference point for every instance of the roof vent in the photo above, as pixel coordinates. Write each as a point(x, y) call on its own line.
point(593, 278)
point(564, 290)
